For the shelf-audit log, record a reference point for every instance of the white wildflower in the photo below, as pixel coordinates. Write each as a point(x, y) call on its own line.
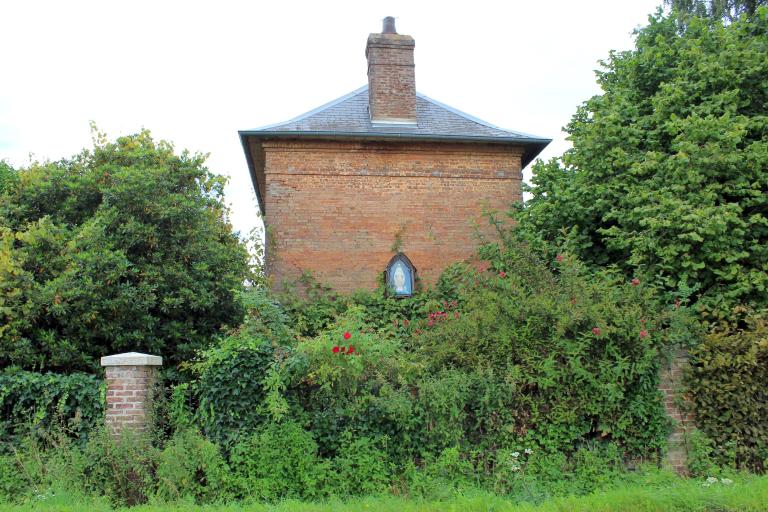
point(515, 454)
point(528, 451)
point(726, 481)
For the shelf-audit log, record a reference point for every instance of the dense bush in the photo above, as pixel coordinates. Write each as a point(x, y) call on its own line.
point(38, 403)
point(728, 385)
point(123, 247)
point(278, 461)
point(122, 469)
point(190, 466)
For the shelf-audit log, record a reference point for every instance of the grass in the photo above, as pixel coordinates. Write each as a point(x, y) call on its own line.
point(745, 494)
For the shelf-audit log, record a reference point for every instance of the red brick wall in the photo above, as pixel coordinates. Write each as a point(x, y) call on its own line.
point(334, 208)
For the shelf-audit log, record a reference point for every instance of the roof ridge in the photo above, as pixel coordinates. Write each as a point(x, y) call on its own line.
point(316, 110)
point(474, 119)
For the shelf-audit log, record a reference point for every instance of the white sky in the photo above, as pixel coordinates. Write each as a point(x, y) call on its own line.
point(196, 72)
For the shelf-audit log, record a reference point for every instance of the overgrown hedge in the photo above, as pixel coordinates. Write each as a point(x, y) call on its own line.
point(728, 384)
point(38, 402)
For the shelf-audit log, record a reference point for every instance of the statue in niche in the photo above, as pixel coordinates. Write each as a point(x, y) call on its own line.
point(399, 276)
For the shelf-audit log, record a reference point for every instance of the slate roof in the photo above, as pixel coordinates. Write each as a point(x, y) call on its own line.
point(347, 118)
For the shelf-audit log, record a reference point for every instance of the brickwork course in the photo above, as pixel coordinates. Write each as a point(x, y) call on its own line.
point(339, 185)
point(674, 404)
point(130, 378)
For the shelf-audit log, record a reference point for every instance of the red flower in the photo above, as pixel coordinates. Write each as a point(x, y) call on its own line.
point(573, 301)
point(596, 331)
point(347, 335)
point(635, 282)
point(502, 274)
point(643, 333)
point(559, 257)
point(431, 323)
point(335, 349)
point(456, 315)
point(351, 350)
point(405, 323)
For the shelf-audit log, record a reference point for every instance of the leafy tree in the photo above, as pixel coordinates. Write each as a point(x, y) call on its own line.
point(7, 175)
point(727, 10)
point(667, 175)
point(123, 247)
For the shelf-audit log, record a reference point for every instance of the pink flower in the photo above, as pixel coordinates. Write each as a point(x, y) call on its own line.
point(347, 335)
point(596, 331)
point(502, 274)
point(431, 323)
point(456, 315)
point(559, 257)
point(635, 282)
point(643, 333)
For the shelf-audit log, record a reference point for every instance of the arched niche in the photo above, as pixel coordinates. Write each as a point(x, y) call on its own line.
point(400, 276)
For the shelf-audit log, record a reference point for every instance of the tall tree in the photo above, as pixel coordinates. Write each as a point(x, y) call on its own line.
point(727, 10)
point(123, 247)
point(668, 174)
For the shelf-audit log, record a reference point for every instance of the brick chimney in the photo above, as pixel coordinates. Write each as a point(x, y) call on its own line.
point(391, 76)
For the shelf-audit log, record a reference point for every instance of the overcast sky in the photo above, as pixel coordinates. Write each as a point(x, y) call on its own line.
point(196, 72)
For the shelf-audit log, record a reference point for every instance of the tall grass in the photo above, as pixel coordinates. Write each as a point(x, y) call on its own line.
point(745, 494)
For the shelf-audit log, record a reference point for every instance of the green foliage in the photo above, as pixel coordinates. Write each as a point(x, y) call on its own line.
point(310, 305)
point(230, 387)
point(123, 247)
point(12, 482)
point(701, 459)
point(727, 384)
point(360, 468)
point(667, 176)
point(7, 176)
point(119, 468)
point(555, 356)
point(279, 461)
point(726, 10)
point(38, 403)
point(191, 466)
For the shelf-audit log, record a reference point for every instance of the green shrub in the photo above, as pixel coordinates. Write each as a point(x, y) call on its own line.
point(191, 466)
point(554, 354)
point(727, 383)
point(279, 461)
point(701, 461)
point(40, 403)
point(13, 484)
point(360, 468)
point(230, 388)
point(448, 473)
point(120, 468)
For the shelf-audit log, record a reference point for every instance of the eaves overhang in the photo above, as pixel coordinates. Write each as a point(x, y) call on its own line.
point(532, 147)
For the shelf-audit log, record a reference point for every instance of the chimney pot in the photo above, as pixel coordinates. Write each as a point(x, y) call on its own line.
point(389, 26)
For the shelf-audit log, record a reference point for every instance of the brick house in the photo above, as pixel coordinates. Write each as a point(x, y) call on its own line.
point(380, 170)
